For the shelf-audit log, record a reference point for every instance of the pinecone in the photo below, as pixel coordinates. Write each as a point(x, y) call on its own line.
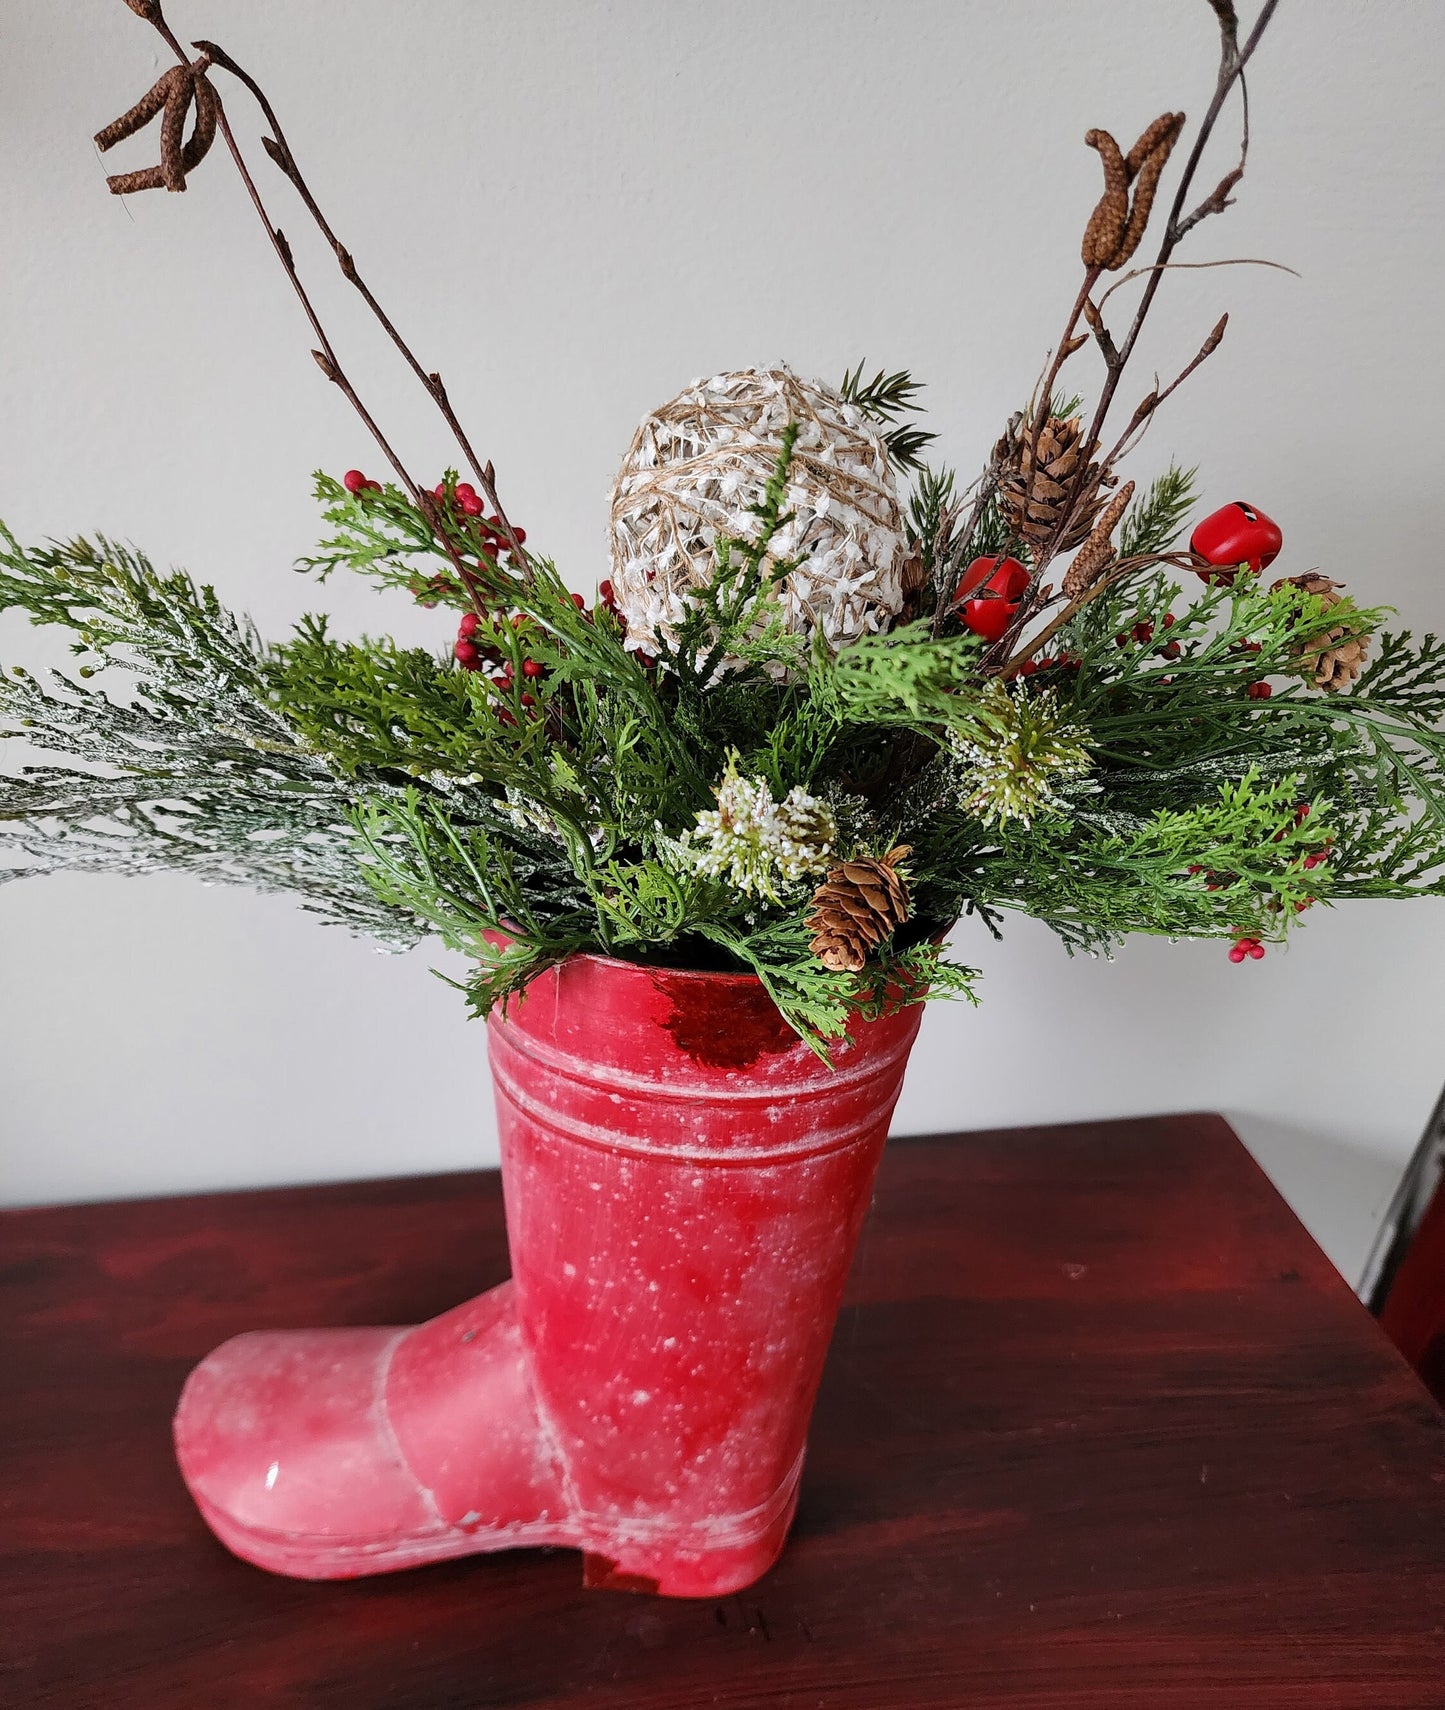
point(1033, 496)
point(860, 904)
point(1333, 660)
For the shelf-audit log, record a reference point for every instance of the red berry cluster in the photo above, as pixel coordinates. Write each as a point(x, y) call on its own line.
point(1142, 633)
point(1050, 662)
point(1246, 947)
point(355, 482)
point(474, 656)
point(495, 539)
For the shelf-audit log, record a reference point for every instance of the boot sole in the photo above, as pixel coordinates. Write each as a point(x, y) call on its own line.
point(652, 1569)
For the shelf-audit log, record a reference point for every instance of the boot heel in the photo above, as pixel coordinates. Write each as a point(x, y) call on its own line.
point(658, 1569)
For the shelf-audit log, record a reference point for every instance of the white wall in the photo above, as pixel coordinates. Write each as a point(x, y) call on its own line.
point(576, 207)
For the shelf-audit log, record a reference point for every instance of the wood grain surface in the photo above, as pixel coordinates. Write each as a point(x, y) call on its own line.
point(1101, 1430)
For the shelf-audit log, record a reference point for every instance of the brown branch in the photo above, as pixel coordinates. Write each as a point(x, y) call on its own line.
point(1154, 399)
point(1062, 351)
point(1115, 574)
point(1196, 266)
point(325, 357)
point(1218, 199)
point(1232, 60)
point(280, 151)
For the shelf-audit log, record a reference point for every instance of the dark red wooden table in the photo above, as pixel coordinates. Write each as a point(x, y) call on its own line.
point(1102, 1430)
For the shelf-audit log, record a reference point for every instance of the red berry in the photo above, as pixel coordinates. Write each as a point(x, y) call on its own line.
point(520, 536)
point(468, 625)
point(989, 618)
point(466, 654)
point(353, 481)
point(530, 668)
point(579, 602)
point(1171, 649)
point(465, 490)
point(528, 701)
point(1260, 691)
point(1169, 620)
point(1028, 667)
point(1237, 953)
point(469, 503)
point(1256, 950)
point(440, 490)
point(371, 486)
point(1143, 631)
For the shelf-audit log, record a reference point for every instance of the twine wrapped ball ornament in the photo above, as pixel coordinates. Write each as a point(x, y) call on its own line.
point(696, 465)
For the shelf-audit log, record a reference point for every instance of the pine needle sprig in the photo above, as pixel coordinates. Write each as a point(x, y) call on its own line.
point(888, 399)
point(1155, 521)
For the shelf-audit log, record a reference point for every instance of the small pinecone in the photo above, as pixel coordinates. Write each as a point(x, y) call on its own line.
point(1033, 496)
point(1332, 660)
point(859, 905)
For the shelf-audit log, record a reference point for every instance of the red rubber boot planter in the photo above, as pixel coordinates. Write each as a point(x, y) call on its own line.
point(685, 1182)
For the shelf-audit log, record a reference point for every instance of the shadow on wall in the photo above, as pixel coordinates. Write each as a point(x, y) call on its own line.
point(1337, 1190)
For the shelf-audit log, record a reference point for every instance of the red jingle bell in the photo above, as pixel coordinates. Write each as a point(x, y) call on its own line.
point(989, 618)
point(1237, 537)
point(1005, 577)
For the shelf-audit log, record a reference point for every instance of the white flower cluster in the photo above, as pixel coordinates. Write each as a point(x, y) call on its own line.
point(753, 842)
point(695, 467)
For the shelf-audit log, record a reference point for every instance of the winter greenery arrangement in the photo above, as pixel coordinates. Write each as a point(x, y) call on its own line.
point(829, 700)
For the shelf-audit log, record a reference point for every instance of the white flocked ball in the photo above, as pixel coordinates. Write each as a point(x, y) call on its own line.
point(696, 465)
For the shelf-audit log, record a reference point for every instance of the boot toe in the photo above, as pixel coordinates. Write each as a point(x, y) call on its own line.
point(283, 1440)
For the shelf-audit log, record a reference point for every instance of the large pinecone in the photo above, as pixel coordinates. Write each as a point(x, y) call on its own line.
point(1333, 660)
point(1033, 494)
point(860, 904)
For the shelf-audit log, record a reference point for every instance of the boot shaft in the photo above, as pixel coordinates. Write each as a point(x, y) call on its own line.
point(685, 1182)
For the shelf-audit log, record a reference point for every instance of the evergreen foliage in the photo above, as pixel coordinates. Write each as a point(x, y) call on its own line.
point(564, 796)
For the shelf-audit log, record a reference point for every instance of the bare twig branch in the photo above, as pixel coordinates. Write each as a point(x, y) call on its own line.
point(1196, 266)
point(1232, 61)
point(1152, 400)
point(280, 151)
point(214, 115)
